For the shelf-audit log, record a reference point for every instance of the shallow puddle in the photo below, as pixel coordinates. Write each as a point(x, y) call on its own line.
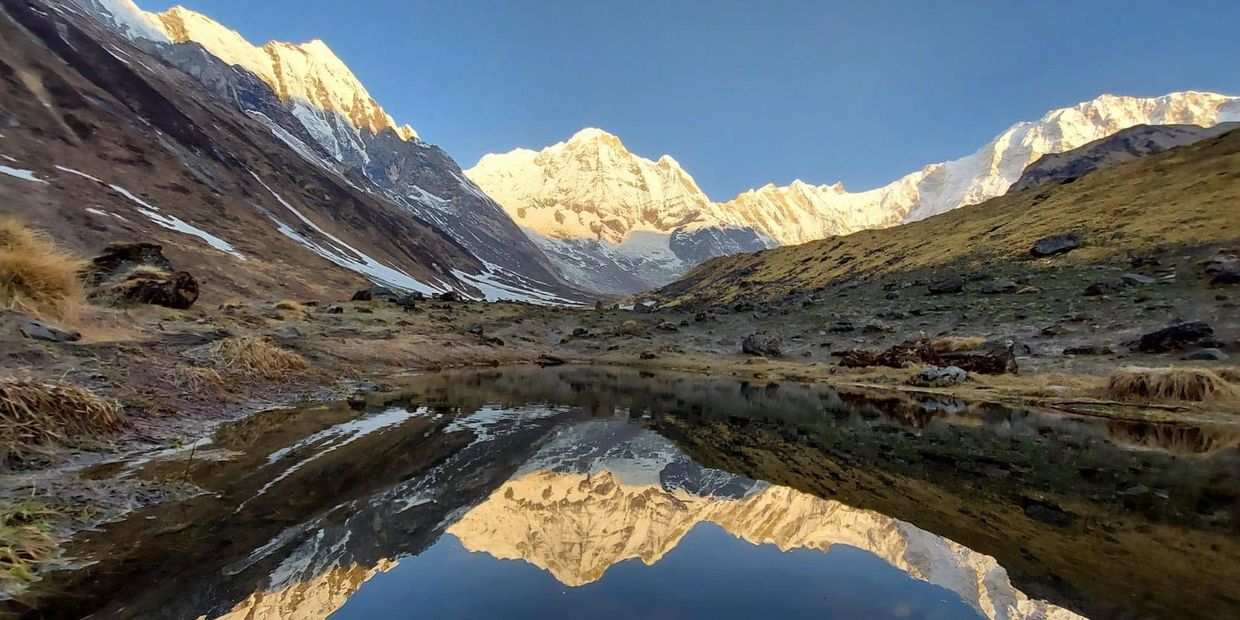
point(607, 493)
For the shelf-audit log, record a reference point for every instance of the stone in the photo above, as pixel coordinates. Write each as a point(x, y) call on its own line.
point(118, 259)
point(334, 310)
point(1136, 279)
point(947, 286)
point(1176, 337)
point(1209, 354)
point(450, 296)
point(999, 287)
point(476, 329)
point(643, 307)
point(31, 327)
point(1106, 287)
point(763, 343)
point(549, 360)
point(579, 332)
point(161, 288)
point(287, 333)
point(1088, 349)
point(941, 376)
point(668, 326)
point(1056, 244)
point(648, 355)
point(701, 317)
point(1220, 264)
point(1029, 290)
point(374, 292)
point(1226, 278)
point(841, 326)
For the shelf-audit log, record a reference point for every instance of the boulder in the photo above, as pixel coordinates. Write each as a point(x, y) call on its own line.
point(1208, 354)
point(1056, 244)
point(940, 376)
point(449, 296)
point(763, 343)
point(998, 287)
point(375, 292)
point(161, 288)
point(118, 259)
point(31, 327)
point(1177, 337)
point(946, 286)
point(1226, 278)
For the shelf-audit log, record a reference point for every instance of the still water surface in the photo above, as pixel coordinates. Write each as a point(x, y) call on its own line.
point(592, 492)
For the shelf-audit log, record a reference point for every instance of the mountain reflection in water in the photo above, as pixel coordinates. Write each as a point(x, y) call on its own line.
point(576, 491)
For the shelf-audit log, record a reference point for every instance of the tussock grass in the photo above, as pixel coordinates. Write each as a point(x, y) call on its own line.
point(1229, 374)
point(257, 356)
point(1153, 384)
point(955, 344)
point(195, 378)
point(35, 274)
point(289, 305)
point(26, 543)
point(36, 415)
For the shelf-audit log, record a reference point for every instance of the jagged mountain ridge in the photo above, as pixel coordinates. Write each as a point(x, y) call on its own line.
point(307, 97)
point(603, 492)
point(1125, 145)
point(591, 190)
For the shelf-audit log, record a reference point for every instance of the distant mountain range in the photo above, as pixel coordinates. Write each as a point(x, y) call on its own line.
point(592, 205)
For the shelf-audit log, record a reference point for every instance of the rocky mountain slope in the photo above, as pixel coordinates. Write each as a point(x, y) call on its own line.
point(591, 193)
point(1182, 198)
point(612, 220)
point(1125, 145)
point(309, 99)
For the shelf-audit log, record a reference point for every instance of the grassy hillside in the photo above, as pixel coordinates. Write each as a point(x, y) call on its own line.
point(1185, 197)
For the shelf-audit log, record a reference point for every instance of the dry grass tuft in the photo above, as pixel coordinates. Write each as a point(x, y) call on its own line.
point(954, 344)
point(35, 415)
point(26, 543)
point(1230, 374)
point(290, 306)
point(1153, 384)
point(35, 274)
point(195, 378)
point(256, 356)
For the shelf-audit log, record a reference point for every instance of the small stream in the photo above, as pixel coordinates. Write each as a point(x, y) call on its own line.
point(612, 493)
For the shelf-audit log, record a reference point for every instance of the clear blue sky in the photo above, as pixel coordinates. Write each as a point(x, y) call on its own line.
point(751, 91)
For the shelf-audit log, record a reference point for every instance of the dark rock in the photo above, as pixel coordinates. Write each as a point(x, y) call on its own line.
point(701, 317)
point(1220, 264)
point(875, 328)
point(1226, 278)
point(989, 363)
point(374, 292)
point(31, 327)
point(450, 296)
point(1056, 244)
point(579, 332)
point(476, 329)
point(947, 286)
point(550, 360)
point(119, 259)
point(763, 343)
point(977, 276)
point(1176, 337)
point(364, 310)
point(334, 310)
point(1207, 355)
point(648, 355)
point(1105, 287)
point(841, 326)
point(599, 305)
point(1088, 349)
point(1144, 258)
point(169, 289)
point(1000, 287)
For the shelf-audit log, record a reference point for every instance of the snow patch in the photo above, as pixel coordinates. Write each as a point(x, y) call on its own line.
point(173, 222)
point(18, 173)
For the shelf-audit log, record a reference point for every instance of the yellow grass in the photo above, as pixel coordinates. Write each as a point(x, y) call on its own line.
point(1230, 374)
point(290, 306)
point(257, 356)
point(26, 543)
point(1154, 384)
point(195, 378)
point(954, 344)
point(1182, 196)
point(35, 274)
point(35, 415)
